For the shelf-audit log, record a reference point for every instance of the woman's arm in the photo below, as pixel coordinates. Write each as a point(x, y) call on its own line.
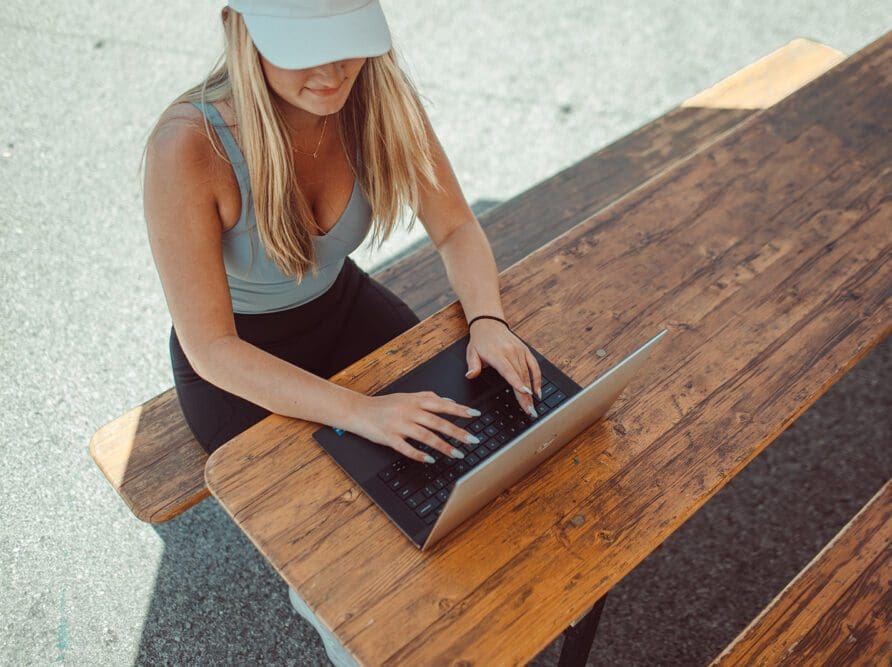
point(182, 180)
point(472, 272)
point(460, 240)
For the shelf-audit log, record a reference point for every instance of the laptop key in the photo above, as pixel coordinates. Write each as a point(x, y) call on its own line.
point(415, 501)
point(430, 518)
point(443, 495)
point(547, 390)
point(427, 506)
point(429, 490)
point(471, 459)
point(555, 398)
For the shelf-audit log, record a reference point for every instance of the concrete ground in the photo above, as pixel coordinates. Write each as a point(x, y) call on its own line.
point(516, 91)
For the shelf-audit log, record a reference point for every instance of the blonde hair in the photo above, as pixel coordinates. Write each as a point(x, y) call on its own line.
point(383, 114)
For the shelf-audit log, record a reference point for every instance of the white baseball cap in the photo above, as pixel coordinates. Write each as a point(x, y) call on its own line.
point(298, 34)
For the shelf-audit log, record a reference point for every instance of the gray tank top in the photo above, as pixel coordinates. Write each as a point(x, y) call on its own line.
point(256, 284)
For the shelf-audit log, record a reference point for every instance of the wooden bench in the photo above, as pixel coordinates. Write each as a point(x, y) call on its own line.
point(838, 610)
point(149, 455)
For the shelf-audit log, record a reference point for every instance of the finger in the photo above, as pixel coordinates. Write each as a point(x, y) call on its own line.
point(523, 370)
point(525, 395)
point(475, 365)
point(421, 434)
point(449, 406)
point(536, 371)
point(408, 451)
point(432, 421)
point(507, 371)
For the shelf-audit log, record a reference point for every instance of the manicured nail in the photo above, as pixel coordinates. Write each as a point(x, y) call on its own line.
point(527, 390)
point(473, 439)
point(533, 412)
point(540, 393)
point(473, 412)
point(428, 458)
point(457, 453)
point(449, 399)
point(468, 374)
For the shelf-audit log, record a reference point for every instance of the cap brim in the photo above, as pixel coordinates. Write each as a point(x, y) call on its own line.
point(299, 43)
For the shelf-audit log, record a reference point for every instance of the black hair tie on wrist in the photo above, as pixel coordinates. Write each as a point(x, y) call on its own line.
point(489, 317)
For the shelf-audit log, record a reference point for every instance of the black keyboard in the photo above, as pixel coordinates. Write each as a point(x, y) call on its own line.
point(425, 487)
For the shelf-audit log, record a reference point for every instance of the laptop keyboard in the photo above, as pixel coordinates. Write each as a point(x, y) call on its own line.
point(425, 487)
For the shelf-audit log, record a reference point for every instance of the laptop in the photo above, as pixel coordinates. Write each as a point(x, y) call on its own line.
point(428, 501)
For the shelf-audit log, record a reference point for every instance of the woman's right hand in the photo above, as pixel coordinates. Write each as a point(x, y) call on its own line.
point(391, 418)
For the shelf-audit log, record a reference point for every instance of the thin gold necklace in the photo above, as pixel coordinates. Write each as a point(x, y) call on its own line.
point(318, 144)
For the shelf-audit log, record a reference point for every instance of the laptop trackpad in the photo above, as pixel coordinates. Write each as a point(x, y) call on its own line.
point(444, 374)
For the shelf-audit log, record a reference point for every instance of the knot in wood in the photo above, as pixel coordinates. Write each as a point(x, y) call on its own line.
point(578, 520)
point(601, 352)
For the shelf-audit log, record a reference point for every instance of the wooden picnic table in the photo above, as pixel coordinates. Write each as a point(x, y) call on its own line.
point(766, 255)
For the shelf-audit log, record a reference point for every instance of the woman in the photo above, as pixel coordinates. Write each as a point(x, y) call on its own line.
point(260, 181)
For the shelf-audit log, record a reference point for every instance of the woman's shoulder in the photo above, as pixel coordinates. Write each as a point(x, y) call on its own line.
point(180, 134)
point(181, 144)
point(180, 154)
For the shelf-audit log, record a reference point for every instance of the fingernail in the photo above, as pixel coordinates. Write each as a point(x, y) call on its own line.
point(473, 413)
point(457, 453)
point(468, 373)
point(540, 393)
point(472, 439)
point(533, 412)
point(449, 399)
point(527, 390)
point(428, 458)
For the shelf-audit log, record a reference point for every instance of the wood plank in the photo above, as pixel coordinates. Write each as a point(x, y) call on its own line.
point(152, 460)
point(766, 255)
point(754, 87)
point(149, 455)
point(838, 610)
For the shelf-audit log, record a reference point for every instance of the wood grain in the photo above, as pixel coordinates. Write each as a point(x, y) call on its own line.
point(766, 255)
point(838, 610)
point(149, 455)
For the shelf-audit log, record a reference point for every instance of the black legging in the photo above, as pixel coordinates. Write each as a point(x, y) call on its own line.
point(353, 317)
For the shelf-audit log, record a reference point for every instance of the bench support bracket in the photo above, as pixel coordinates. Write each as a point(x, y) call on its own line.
point(579, 636)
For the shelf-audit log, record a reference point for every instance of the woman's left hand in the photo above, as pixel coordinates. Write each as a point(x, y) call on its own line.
point(493, 344)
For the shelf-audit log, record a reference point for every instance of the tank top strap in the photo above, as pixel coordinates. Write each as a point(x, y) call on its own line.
point(233, 152)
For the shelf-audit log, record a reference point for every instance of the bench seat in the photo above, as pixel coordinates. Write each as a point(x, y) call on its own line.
point(837, 610)
point(149, 455)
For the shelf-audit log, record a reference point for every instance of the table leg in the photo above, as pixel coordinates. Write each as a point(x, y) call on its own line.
point(578, 638)
point(337, 654)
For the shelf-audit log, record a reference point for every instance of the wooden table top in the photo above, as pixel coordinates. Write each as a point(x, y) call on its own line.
point(766, 255)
